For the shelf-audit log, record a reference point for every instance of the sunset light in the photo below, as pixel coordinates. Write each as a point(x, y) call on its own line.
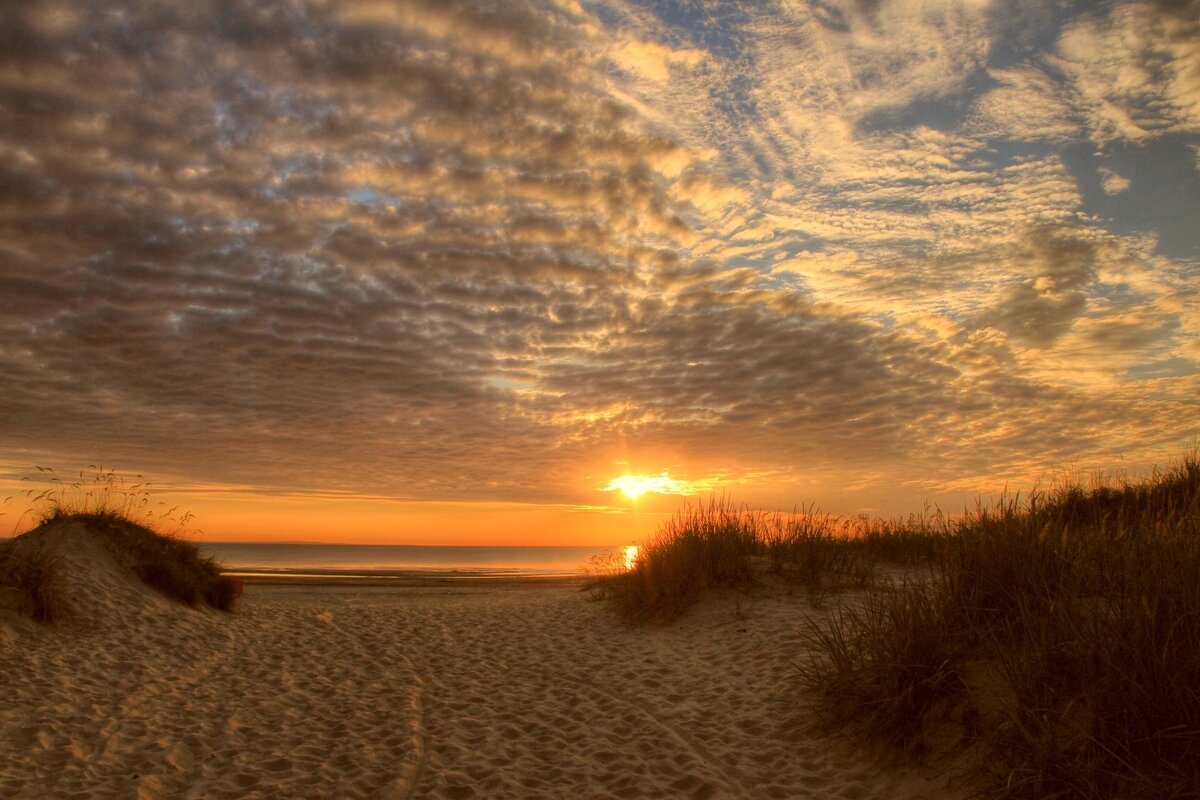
point(430, 322)
point(634, 486)
point(424, 272)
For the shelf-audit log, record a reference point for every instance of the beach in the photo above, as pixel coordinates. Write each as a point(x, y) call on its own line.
point(476, 689)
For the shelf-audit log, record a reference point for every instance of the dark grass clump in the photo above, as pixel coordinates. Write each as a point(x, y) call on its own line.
point(910, 541)
point(33, 576)
point(1060, 636)
point(718, 545)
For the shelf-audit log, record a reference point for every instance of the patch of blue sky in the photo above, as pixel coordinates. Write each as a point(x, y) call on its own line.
point(944, 113)
point(787, 281)
point(1163, 193)
point(1020, 30)
point(244, 225)
point(718, 28)
point(368, 196)
point(1174, 367)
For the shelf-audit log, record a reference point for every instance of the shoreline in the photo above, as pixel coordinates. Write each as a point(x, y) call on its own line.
point(400, 579)
point(263, 562)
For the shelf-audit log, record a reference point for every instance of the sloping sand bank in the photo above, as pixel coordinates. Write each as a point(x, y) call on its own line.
point(506, 691)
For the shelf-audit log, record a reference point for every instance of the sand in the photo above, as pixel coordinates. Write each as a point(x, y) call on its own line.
point(468, 691)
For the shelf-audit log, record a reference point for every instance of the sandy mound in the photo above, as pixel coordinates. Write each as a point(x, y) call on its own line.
point(98, 590)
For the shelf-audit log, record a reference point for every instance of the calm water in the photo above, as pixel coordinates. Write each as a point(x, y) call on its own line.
point(363, 559)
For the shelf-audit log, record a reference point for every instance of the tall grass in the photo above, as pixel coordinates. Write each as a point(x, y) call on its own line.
point(703, 548)
point(1059, 634)
point(101, 492)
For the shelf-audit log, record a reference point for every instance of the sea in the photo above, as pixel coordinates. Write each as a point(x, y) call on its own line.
point(372, 560)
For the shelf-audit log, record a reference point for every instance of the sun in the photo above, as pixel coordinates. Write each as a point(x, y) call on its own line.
point(634, 486)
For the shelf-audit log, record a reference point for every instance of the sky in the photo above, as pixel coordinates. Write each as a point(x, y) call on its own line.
point(461, 272)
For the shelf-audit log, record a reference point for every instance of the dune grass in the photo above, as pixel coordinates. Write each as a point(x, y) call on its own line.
point(702, 549)
point(1059, 636)
point(716, 544)
point(99, 492)
point(145, 537)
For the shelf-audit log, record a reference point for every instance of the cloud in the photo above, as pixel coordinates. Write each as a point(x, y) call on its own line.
point(465, 250)
point(307, 229)
point(1112, 182)
point(1027, 104)
point(1042, 306)
point(653, 60)
point(1135, 69)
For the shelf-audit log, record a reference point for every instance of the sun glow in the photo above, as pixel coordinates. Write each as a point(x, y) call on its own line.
point(634, 486)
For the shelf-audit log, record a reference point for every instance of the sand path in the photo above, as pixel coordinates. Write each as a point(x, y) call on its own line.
point(538, 693)
point(434, 692)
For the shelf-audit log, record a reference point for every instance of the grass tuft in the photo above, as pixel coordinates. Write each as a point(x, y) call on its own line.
point(101, 492)
point(704, 548)
point(889, 665)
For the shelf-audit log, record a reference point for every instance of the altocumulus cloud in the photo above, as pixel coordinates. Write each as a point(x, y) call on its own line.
point(455, 250)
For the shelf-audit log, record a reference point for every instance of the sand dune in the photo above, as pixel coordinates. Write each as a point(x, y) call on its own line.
point(507, 691)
